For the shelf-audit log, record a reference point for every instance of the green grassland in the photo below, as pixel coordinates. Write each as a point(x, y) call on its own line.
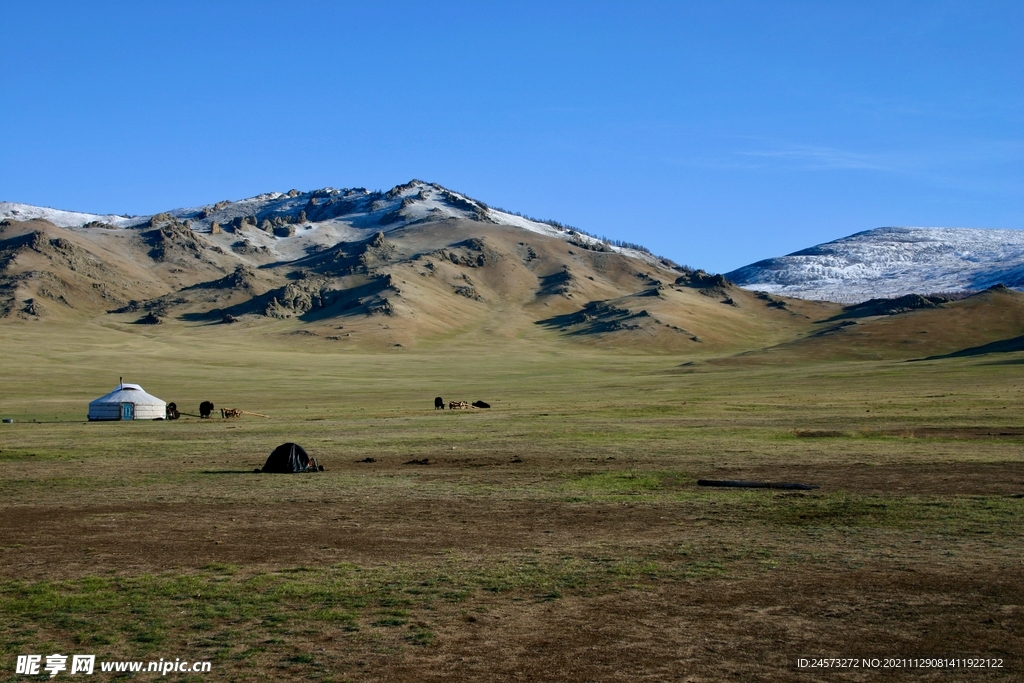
point(534, 524)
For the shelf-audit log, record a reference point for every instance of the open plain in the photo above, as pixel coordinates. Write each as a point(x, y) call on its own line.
point(558, 536)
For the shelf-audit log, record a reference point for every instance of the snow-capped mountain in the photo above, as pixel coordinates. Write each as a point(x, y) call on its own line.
point(289, 224)
point(891, 262)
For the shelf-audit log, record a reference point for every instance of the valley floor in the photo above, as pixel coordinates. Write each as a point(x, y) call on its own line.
point(558, 536)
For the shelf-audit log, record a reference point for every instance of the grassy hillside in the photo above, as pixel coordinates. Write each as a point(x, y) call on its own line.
point(994, 317)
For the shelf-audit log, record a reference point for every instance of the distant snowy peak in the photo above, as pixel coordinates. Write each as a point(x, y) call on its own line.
point(348, 213)
point(889, 262)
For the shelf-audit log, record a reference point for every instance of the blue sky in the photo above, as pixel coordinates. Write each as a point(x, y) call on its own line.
point(714, 133)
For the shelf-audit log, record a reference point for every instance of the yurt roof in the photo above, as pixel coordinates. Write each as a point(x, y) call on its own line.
point(129, 393)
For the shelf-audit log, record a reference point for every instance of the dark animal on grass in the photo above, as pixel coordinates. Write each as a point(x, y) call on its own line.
point(172, 411)
point(438, 403)
point(205, 408)
point(481, 404)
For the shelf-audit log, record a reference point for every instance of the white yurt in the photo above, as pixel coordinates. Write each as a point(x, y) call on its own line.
point(127, 402)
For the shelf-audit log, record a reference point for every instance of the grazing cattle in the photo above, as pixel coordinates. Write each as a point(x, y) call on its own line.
point(205, 408)
point(172, 411)
point(481, 404)
point(457, 405)
point(230, 412)
point(438, 403)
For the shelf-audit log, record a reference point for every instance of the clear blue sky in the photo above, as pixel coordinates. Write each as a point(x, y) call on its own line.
point(715, 133)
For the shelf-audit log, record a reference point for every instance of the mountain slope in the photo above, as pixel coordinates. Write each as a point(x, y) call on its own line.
point(891, 262)
point(46, 271)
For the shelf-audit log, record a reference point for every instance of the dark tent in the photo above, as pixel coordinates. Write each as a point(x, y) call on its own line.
point(290, 457)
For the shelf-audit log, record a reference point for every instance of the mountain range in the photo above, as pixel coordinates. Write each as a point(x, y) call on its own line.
point(416, 262)
point(423, 264)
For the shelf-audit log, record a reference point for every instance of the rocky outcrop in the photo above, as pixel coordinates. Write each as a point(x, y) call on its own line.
point(247, 248)
point(476, 211)
point(468, 291)
point(284, 230)
point(701, 280)
point(377, 251)
point(171, 240)
point(297, 298)
point(383, 307)
point(471, 253)
point(577, 240)
point(559, 283)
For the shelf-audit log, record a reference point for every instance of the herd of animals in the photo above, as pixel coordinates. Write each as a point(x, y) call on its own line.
point(206, 408)
point(459, 405)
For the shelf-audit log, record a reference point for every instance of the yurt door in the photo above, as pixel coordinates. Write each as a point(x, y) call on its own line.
point(127, 411)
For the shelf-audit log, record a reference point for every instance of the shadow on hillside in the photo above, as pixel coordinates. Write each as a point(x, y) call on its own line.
point(597, 317)
point(1001, 346)
point(562, 323)
point(877, 307)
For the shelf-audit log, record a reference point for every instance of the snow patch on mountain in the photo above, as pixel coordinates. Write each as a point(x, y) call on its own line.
point(289, 224)
point(891, 262)
point(63, 219)
point(525, 223)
